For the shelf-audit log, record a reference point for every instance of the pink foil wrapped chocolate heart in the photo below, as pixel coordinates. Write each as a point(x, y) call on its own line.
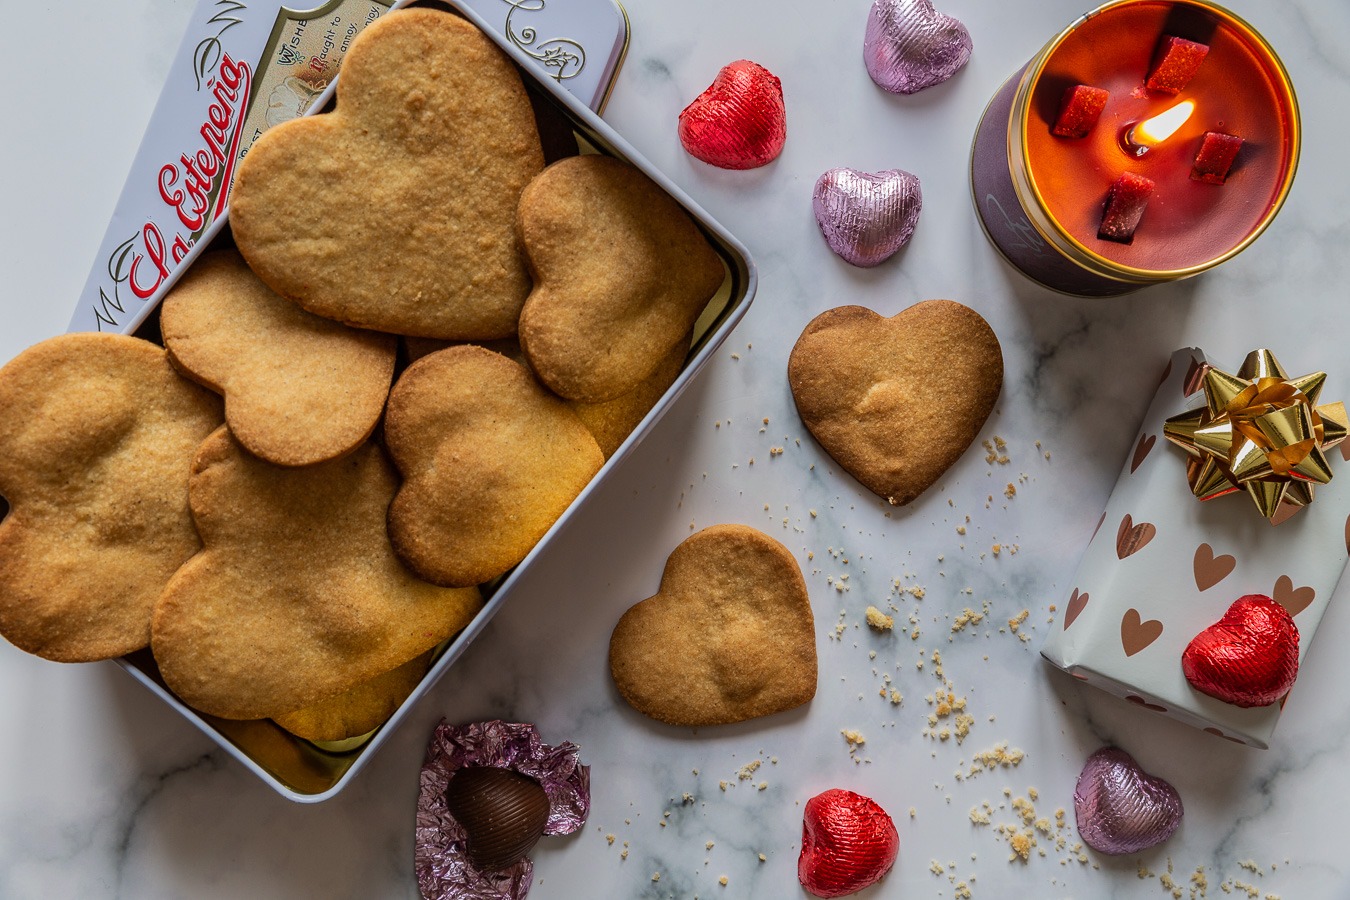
point(1120, 808)
point(740, 121)
point(848, 843)
point(867, 217)
point(1247, 658)
point(910, 46)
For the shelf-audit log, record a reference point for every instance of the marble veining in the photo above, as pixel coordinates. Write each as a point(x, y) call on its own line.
point(107, 793)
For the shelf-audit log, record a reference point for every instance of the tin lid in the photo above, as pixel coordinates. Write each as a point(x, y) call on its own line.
point(242, 70)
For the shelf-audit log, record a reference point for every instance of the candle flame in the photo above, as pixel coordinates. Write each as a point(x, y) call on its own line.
point(1154, 131)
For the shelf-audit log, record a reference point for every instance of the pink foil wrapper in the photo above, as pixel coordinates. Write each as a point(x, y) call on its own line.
point(1120, 808)
point(910, 46)
point(867, 217)
point(443, 869)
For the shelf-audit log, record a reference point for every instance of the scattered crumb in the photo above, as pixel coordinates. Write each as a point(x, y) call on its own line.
point(968, 616)
point(854, 738)
point(879, 621)
point(996, 756)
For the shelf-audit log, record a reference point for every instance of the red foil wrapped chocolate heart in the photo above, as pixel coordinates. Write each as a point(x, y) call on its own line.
point(1247, 658)
point(848, 843)
point(740, 121)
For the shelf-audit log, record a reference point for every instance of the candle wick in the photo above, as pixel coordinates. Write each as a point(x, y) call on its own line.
point(1130, 145)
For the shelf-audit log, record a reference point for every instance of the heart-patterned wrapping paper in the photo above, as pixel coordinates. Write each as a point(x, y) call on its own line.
point(1163, 566)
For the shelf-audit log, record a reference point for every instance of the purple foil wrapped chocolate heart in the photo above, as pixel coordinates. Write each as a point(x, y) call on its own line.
point(1120, 808)
point(910, 46)
point(867, 217)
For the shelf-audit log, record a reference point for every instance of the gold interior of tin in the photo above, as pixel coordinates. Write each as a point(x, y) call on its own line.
point(310, 768)
point(1056, 234)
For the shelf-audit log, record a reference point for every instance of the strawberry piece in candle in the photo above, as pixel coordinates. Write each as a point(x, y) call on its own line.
point(1215, 158)
point(1176, 64)
point(1079, 109)
point(1125, 207)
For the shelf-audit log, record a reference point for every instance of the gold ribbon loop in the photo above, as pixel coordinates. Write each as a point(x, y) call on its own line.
point(1262, 432)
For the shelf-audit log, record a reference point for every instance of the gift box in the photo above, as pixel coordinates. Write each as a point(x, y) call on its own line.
point(1163, 566)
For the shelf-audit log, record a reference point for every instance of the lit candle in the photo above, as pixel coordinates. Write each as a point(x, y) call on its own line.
point(1041, 195)
point(1139, 139)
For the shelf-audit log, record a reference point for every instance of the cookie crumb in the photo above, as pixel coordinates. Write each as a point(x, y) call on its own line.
point(854, 738)
point(879, 621)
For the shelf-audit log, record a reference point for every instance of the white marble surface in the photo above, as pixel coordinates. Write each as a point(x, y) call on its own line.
point(104, 792)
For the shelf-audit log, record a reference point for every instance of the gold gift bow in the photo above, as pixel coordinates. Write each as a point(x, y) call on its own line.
point(1262, 432)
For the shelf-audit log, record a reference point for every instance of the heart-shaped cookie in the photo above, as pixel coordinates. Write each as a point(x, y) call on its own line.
point(609, 421)
point(1249, 657)
point(359, 710)
point(296, 595)
point(848, 843)
point(740, 121)
point(728, 636)
point(865, 217)
point(621, 276)
point(896, 401)
point(1120, 808)
point(396, 211)
point(298, 388)
point(490, 460)
point(97, 435)
point(910, 46)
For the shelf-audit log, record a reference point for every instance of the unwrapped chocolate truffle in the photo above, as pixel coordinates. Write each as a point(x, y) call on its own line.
point(483, 770)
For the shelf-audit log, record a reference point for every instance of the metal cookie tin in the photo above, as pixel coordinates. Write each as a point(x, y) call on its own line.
point(309, 773)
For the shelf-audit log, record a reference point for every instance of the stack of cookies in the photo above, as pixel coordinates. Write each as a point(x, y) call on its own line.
point(288, 521)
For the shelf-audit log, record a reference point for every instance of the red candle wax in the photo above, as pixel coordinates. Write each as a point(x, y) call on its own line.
point(1240, 89)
